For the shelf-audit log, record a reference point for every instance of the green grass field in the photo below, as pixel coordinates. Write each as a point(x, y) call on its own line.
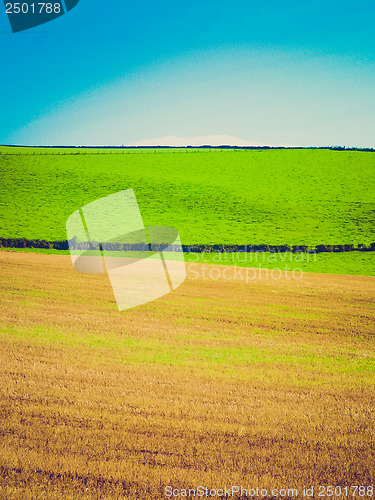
point(353, 263)
point(243, 197)
point(295, 197)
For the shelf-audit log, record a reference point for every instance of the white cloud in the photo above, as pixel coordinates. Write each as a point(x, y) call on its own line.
point(209, 140)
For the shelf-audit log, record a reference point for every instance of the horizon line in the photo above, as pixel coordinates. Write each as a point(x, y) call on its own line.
point(202, 146)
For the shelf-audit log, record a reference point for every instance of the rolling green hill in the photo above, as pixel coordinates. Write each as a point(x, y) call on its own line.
point(219, 197)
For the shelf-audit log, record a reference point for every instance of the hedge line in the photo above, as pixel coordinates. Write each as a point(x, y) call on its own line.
point(63, 245)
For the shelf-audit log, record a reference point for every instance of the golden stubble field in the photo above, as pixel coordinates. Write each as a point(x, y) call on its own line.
point(266, 384)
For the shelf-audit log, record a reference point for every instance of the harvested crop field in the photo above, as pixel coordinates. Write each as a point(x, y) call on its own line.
point(233, 379)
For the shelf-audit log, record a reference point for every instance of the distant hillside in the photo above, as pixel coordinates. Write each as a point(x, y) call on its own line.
point(275, 197)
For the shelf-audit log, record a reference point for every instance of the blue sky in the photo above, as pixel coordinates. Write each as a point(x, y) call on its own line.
point(114, 72)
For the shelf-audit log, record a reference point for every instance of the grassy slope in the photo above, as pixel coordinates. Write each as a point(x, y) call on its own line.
point(275, 197)
point(351, 263)
point(267, 384)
